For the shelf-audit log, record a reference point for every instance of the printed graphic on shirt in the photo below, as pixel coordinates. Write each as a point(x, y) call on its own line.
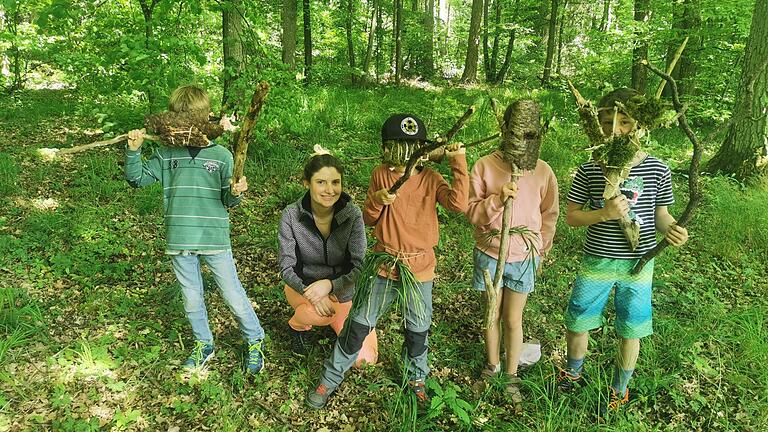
point(211, 166)
point(632, 188)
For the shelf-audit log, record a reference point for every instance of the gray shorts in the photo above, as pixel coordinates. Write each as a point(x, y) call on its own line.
point(519, 276)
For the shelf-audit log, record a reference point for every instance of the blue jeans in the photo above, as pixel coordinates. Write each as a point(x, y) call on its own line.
point(187, 269)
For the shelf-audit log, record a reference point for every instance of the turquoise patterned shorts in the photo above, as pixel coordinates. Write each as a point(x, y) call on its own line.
point(632, 300)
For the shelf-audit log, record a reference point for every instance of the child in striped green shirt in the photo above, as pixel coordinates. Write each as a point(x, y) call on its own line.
point(196, 195)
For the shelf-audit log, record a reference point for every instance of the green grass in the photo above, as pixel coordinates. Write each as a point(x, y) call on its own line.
point(92, 328)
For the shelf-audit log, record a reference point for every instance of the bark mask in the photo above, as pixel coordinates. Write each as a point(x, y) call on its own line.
point(521, 134)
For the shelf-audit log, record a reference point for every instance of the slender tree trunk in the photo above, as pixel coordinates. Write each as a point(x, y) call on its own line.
point(429, 35)
point(398, 43)
point(289, 32)
point(543, 20)
point(605, 20)
point(379, 39)
point(560, 38)
point(640, 52)
point(486, 47)
point(444, 53)
point(550, 42)
point(350, 42)
point(686, 22)
point(507, 59)
point(371, 33)
point(146, 10)
point(307, 41)
point(744, 152)
point(470, 65)
point(12, 58)
point(495, 47)
point(232, 27)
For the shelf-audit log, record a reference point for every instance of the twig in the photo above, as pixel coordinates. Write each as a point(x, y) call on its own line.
point(694, 188)
point(439, 142)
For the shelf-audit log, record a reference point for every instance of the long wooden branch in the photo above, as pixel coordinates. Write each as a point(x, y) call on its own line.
point(694, 187)
point(52, 153)
point(439, 142)
point(243, 137)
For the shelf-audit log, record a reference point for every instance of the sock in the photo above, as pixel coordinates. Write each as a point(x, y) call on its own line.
point(574, 366)
point(621, 380)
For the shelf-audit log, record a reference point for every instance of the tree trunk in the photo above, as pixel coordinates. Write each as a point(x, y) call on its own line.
point(560, 39)
point(398, 22)
point(686, 23)
point(496, 33)
point(640, 52)
point(350, 43)
point(444, 52)
point(379, 39)
point(232, 27)
point(146, 10)
point(307, 41)
point(507, 59)
point(12, 58)
point(470, 65)
point(744, 152)
point(550, 43)
point(371, 33)
point(605, 20)
point(486, 47)
point(543, 22)
point(289, 32)
point(428, 68)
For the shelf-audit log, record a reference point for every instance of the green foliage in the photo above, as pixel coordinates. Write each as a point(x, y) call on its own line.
point(725, 198)
point(407, 286)
point(448, 397)
point(8, 175)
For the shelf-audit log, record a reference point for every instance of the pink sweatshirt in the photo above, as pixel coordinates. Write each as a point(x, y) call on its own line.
point(536, 205)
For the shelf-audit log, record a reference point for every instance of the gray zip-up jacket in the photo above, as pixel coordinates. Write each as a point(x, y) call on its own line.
point(306, 257)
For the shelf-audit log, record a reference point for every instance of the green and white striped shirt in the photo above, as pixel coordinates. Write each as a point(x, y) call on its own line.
point(195, 193)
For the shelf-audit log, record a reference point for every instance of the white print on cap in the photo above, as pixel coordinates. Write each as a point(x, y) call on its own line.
point(409, 126)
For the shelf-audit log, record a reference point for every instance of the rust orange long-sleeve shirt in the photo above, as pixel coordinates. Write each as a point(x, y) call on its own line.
point(408, 227)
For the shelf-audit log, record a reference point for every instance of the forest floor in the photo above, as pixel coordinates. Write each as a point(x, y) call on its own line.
point(92, 330)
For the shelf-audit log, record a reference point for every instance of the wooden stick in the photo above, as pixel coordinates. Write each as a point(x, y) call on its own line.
point(694, 188)
point(54, 153)
point(441, 141)
point(483, 140)
point(671, 67)
point(458, 125)
point(257, 102)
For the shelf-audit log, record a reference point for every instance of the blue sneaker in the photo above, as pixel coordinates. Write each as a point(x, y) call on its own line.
point(201, 353)
point(255, 357)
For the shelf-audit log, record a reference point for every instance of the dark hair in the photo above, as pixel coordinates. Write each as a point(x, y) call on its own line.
point(318, 162)
point(622, 95)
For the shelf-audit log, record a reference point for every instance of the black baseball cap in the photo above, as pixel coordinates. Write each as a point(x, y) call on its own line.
point(403, 127)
